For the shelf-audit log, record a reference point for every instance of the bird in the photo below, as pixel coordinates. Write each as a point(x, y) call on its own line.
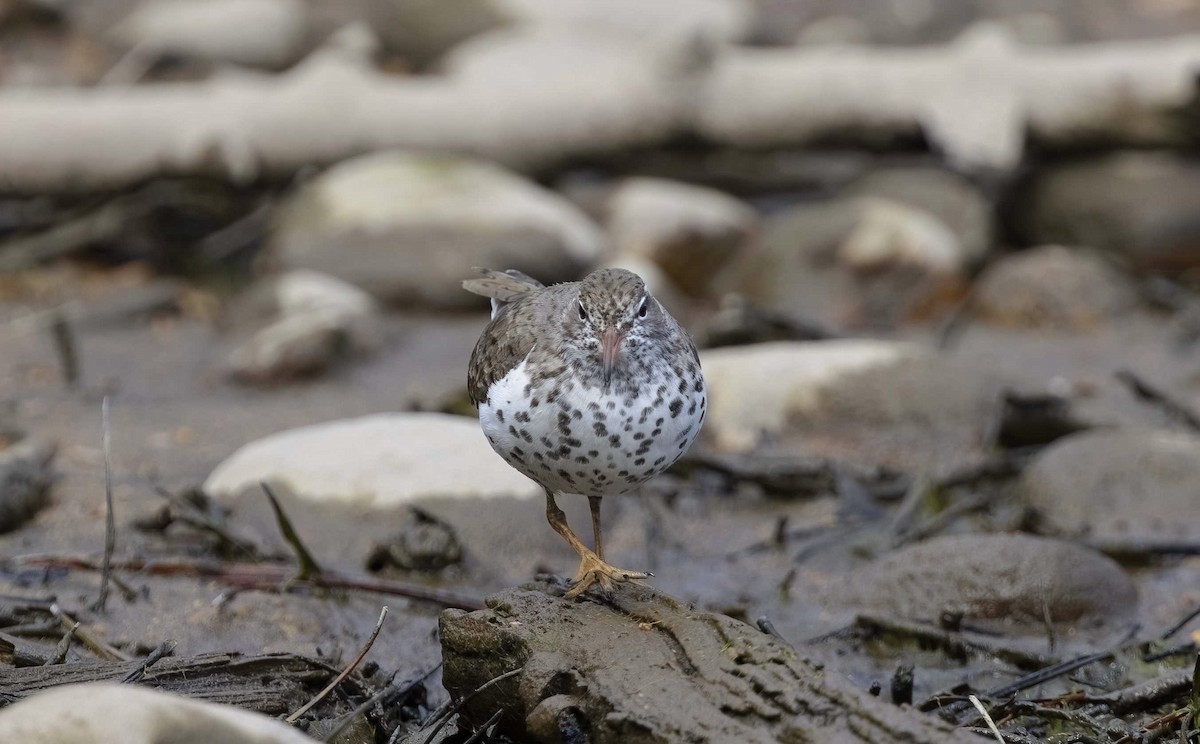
point(587, 387)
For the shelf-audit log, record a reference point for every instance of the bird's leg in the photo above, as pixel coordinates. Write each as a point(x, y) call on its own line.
point(594, 505)
point(592, 568)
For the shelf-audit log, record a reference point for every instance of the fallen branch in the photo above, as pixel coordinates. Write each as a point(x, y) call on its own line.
point(267, 577)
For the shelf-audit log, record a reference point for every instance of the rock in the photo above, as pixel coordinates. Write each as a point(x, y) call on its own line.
point(313, 321)
point(1117, 488)
point(264, 33)
point(387, 460)
point(105, 712)
point(689, 231)
point(951, 199)
point(1140, 205)
point(681, 674)
point(755, 390)
point(664, 23)
point(1052, 287)
point(424, 543)
point(1017, 579)
point(853, 262)
point(406, 227)
point(890, 234)
point(26, 474)
point(422, 30)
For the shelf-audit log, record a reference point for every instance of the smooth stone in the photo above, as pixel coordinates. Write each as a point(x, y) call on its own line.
point(754, 390)
point(306, 322)
point(690, 232)
point(1121, 487)
point(645, 667)
point(951, 199)
point(1139, 205)
point(26, 475)
point(1017, 579)
point(263, 33)
point(405, 227)
point(386, 460)
point(106, 712)
point(1052, 287)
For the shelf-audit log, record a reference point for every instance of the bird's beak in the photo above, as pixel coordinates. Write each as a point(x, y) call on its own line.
point(610, 349)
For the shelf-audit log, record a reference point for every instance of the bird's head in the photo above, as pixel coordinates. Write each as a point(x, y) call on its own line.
point(613, 314)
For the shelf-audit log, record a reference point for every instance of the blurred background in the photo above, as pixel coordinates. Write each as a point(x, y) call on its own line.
point(941, 259)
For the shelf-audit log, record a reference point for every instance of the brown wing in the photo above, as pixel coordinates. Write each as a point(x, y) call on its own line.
point(507, 340)
point(504, 286)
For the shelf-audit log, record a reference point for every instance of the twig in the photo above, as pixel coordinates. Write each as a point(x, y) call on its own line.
point(267, 577)
point(344, 673)
point(190, 514)
point(484, 728)
point(163, 649)
point(95, 644)
point(1179, 625)
point(309, 568)
point(1145, 391)
point(65, 347)
point(987, 718)
point(446, 716)
point(64, 646)
point(110, 522)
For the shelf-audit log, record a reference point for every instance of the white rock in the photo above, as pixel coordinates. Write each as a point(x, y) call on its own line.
point(754, 390)
point(101, 713)
point(312, 321)
point(387, 460)
point(267, 33)
point(889, 234)
point(662, 21)
point(405, 227)
point(689, 231)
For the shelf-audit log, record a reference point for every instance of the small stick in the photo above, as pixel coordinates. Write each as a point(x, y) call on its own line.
point(484, 728)
point(110, 525)
point(1173, 408)
point(163, 649)
point(987, 718)
point(345, 672)
point(309, 568)
point(65, 346)
point(95, 644)
point(64, 646)
point(445, 717)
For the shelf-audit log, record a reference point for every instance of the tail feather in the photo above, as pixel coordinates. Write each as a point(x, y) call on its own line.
point(502, 287)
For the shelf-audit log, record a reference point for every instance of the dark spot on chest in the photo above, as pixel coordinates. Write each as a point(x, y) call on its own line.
point(675, 407)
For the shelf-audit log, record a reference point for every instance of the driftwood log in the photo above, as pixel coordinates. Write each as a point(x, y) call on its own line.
point(530, 100)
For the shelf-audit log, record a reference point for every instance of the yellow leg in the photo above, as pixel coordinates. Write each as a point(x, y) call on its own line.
point(592, 568)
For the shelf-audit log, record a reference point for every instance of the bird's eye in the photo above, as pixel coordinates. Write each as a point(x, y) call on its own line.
point(642, 309)
point(582, 312)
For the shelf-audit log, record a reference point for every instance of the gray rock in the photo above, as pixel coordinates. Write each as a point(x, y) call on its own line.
point(386, 461)
point(854, 262)
point(422, 30)
point(689, 231)
point(307, 322)
point(1141, 205)
point(647, 668)
point(105, 712)
point(405, 227)
point(1117, 487)
point(266, 33)
point(950, 198)
point(1052, 287)
point(1017, 579)
point(754, 391)
point(26, 474)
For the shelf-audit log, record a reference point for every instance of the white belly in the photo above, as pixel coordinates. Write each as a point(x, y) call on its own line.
point(587, 441)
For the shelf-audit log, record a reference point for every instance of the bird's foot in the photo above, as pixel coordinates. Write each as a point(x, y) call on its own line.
point(594, 571)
